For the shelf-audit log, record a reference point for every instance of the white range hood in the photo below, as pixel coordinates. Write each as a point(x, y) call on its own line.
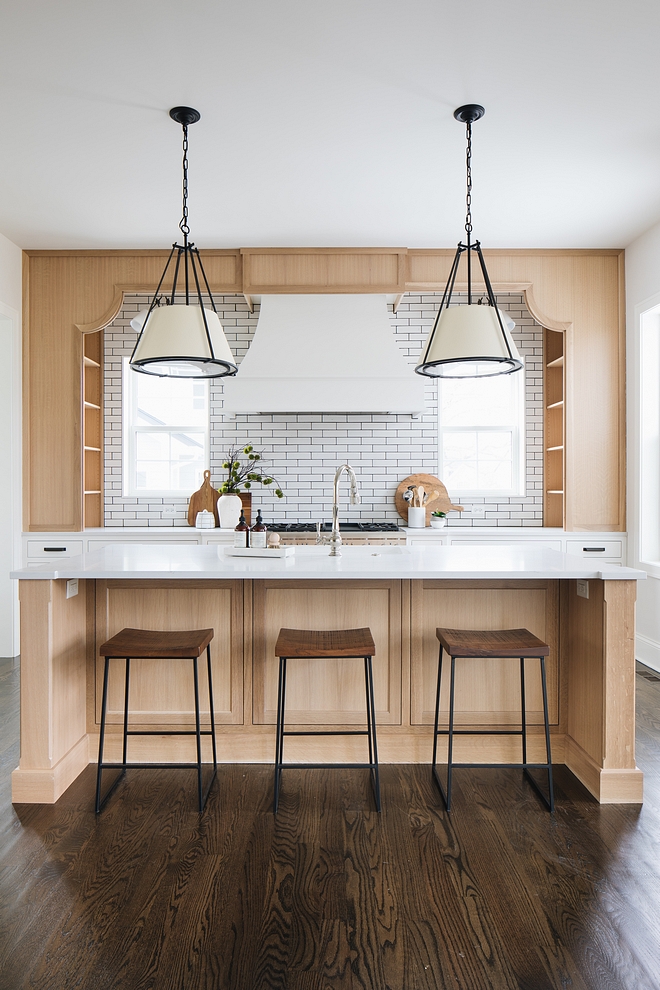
point(324, 353)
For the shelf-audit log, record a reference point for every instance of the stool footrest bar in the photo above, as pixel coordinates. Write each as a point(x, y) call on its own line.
point(328, 766)
point(333, 732)
point(481, 732)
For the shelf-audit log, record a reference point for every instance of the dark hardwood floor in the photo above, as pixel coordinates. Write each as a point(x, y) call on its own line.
point(330, 895)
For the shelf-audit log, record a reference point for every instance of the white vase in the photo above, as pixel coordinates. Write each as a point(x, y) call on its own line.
point(416, 517)
point(229, 511)
point(437, 523)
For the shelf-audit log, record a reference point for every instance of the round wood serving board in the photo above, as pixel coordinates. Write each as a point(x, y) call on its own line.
point(431, 484)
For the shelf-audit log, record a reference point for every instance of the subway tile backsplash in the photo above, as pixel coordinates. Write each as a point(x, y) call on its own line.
point(304, 450)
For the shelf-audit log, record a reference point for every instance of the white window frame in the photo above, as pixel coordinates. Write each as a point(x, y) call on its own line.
point(518, 445)
point(130, 429)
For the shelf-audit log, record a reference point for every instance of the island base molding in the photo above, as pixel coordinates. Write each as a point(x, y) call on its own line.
point(590, 674)
point(618, 786)
point(46, 785)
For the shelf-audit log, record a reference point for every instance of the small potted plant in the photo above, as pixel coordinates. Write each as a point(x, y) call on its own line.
point(243, 467)
point(438, 520)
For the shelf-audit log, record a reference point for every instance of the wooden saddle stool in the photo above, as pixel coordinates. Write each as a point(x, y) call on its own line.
point(491, 644)
point(148, 644)
point(314, 645)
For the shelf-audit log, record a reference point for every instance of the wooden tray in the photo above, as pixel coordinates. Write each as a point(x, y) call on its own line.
point(431, 484)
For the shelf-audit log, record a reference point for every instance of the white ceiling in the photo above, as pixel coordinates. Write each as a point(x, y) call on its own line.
point(329, 122)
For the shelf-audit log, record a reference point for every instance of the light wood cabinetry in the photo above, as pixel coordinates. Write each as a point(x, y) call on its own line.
point(488, 691)
point(577, 295)
point(554, 433)
point(92, 433)
point(162, 691)
point(590, 673)
point(327, 691)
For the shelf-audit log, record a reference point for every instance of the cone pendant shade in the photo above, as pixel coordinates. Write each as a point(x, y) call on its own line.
point(174, 344)
point(470, 341)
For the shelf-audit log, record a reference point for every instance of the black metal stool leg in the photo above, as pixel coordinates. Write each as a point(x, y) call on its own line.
point(549, 801)
point(523, 709)
point(371, 717)
point(104, 705)
point(198, 736)
point(450, 747)
point(212, 714)
point(548, 755)
point(127, 674)
point(279, 733)
point(436, 731)
point(104, 710)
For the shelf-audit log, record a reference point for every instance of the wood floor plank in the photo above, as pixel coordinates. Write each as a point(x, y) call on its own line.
point(329, 894)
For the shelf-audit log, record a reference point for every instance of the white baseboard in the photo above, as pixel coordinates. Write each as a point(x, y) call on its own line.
point(647, 651)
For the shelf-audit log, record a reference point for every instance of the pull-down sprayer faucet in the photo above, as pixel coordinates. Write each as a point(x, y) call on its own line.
point(335, 536)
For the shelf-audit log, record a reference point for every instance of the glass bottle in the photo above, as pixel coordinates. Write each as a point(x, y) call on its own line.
point(242, 533)
point(259, 533)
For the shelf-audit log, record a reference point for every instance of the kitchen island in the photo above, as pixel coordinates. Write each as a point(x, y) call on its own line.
point(401, 593)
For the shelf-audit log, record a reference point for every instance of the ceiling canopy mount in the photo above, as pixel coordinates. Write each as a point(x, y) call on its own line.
point(466, 114)
point(185, 115)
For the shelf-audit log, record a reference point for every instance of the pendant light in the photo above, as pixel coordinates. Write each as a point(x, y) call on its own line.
point(473, 340)
point(183, 341)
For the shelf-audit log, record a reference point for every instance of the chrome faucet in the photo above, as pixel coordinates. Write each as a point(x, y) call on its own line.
point(335, 536)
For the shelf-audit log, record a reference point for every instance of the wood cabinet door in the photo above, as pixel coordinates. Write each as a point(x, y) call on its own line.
point(327, 692)
point(161, 691)
point(487, 691)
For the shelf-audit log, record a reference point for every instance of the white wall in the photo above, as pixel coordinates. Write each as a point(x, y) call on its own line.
point(642, 292)
point(10, 440)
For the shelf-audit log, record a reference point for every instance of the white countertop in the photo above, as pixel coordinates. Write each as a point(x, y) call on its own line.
point(168, 561)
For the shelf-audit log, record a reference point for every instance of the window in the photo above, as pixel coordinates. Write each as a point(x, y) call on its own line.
point(481, 434)
point(166, 433)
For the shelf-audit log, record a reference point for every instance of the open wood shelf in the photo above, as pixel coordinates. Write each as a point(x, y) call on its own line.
point(92, 389)
point(553, 429)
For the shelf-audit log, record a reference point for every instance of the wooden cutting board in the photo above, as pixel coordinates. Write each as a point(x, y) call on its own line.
point(206, 498)
point(431, 484)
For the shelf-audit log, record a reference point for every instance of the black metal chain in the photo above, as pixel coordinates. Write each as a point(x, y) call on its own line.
point(183, 225)
point(468, 171)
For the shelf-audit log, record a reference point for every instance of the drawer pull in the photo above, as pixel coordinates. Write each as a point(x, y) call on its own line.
point(594, 549)
point(54, 549)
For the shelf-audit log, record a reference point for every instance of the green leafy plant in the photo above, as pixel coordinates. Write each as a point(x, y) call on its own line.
point(244, 468)
point(439, 515)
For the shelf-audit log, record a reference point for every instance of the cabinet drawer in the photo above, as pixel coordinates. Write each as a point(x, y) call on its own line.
point(530, 544)
point(52, 549)
point(595, 548)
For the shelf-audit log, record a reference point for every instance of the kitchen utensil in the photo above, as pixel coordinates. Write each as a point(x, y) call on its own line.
point(420, 495)
point(205, 498)
point(441, 504)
